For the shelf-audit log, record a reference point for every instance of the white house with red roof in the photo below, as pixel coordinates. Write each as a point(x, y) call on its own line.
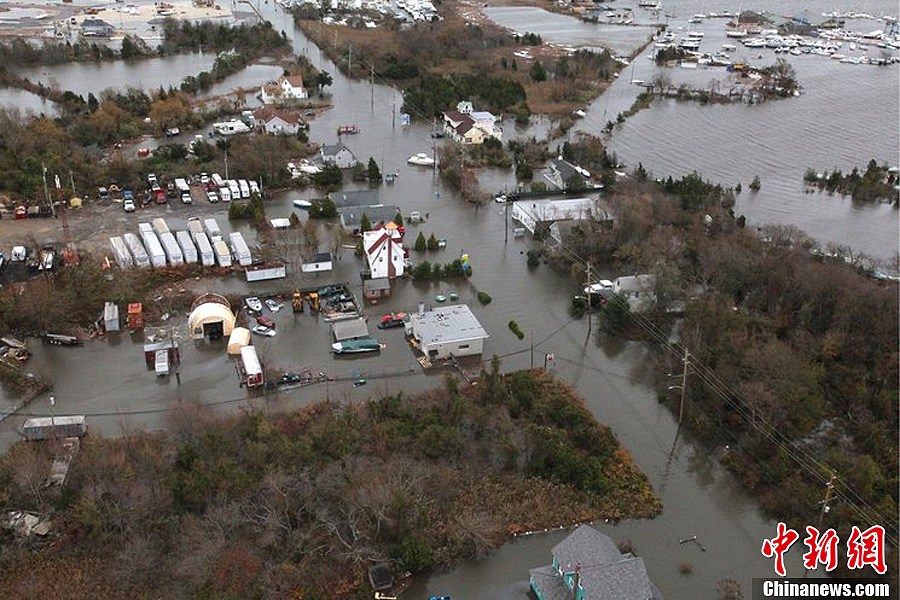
point(278, 121)
point(286, 88)
point(467, 126)
point(384, 251)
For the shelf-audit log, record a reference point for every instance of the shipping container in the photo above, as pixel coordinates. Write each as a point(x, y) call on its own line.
point(171, 248)
point(188, 249)
point(240, 249)
point(207, 256)
point(265, 272)
point(223, 256)
point(120, 253)
point(136, 247)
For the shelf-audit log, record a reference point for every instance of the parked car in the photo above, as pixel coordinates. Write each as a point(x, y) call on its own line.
point(263, 330)
point(212, 196)
point(265, 321)
point(172, 132)
point(152, 180)
point(204, 178)
point(128, 205)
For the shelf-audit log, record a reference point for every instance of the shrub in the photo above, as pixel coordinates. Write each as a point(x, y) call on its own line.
point(533, 258)
point(420, 243)
point(514, 327)
point(484, 298)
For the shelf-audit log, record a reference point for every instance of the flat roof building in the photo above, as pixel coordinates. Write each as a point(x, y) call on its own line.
point(447, 330)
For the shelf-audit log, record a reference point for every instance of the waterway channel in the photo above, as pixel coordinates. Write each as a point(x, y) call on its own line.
point(107, 379)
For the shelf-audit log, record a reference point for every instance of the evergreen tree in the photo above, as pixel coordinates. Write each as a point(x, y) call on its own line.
point(420, 243)
point(373, 172)
point(364, 223)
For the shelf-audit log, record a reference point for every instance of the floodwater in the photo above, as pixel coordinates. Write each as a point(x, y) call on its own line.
point(26, 102)
point(108, 380)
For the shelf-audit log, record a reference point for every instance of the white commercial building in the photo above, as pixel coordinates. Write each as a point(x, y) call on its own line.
point(447, 331)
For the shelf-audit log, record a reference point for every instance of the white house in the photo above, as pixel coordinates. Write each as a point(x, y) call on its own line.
point(338, 154)
point(539, 216)
point(278, 121)
point(468, 126)
point(286, 88)
point(447, 330)
point(384, 252)
point(638, 290)
point(319, 263)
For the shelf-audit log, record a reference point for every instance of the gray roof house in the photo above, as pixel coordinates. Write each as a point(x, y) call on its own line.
point(338, 154)
point(93, 27)
point(354, 198)
point(560, 173)
point(588, 566)
point(351, 216)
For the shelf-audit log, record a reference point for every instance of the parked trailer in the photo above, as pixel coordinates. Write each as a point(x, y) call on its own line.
point(47, 428)
point(160, 226)
point(195, 225)
point(218, 181)
point(223, 256)
point(182, 186)
point(252, 374)
point(144, 228)
point(240, 249)
point(171, 248)
point(188, 249)
point(136, 247)
point(264, 272)
point(244, 187)
point(154, 249)
point(207, 256)
point(120, 253)
point(235, 189)
point(212, 230)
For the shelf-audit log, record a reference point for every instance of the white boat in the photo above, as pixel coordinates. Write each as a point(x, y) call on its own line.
point(253, 304)
point(736, 33)
point(728, 47)
point(579, 113)
point(302, 204)
point(421, 159)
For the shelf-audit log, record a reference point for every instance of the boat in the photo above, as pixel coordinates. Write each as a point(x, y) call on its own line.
point(357, 346)
point(302, 204)
point(421, 159)
point(274, 305)
point(579, 113)
point(736, 33)
point(61, 340)
point(253, 304)
point(440, 298)
point(392, 320)
point(348, 129)
point(729, 48)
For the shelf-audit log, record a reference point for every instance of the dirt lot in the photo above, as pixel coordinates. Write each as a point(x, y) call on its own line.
point(91, 226)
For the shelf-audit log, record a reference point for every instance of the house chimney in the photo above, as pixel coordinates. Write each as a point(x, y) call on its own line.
point(576, 581)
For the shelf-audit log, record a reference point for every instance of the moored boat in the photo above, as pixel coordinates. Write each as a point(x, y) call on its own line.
point(357, 346)
point(348, 129)
point(302, 204)
point(421, 159)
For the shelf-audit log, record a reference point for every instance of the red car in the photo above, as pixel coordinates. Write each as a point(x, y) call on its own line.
point(265, 321)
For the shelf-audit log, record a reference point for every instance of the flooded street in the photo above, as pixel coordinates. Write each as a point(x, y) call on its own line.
point(108, 380)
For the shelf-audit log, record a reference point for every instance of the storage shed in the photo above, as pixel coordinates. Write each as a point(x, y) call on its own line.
point(350, 329)
point(111, 317)
point(211, 317)
point(240, 337)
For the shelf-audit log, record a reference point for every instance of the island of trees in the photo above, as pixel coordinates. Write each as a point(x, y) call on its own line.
point(261, 505)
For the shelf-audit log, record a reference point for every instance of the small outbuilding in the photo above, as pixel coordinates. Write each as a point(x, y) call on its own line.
point(350, 329)
point(240, 337)
point(111, 317)
point(447, 331)
point(373, 289)
point(211, 317)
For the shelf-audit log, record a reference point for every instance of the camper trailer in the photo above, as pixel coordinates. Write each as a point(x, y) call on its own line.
point(154, 247)
point(120, 253)
point(138, 253)
point(223, 256)
point(171, 248)
point(207, 256)
point(188, 249)
point(212, 230)
point(240, 250)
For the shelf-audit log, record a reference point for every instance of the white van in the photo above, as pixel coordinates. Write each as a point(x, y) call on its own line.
point(225, 194)
point(245, 189)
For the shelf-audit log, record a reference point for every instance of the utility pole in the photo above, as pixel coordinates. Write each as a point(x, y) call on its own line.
point(588, 286)
point(829, 490)
point(506, 222)
point(350, 62)
point(684, 374)
point(226, 164)
point(47, 190)
point(372, 84)
point(532, 348)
